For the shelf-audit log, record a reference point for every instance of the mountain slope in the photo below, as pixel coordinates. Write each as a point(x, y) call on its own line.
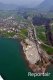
point(46, 5)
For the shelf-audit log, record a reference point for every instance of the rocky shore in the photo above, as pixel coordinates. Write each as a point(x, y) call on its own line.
point(36, 62)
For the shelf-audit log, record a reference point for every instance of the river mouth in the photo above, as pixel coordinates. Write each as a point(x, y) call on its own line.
point(12, 64)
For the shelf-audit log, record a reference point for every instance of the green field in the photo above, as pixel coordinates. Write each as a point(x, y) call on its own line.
point(41, 36)
point(47, 48)
point(41, 33)
point(23, 33)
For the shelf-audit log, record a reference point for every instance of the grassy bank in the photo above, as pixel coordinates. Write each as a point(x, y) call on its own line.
point(47, 48)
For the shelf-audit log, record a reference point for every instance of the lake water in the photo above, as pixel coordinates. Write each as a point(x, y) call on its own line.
point(12, 64)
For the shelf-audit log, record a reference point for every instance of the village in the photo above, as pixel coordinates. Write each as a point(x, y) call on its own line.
point(11, 26)
point(37, 58)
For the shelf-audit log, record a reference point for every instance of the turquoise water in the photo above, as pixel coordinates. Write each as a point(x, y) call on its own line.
point(12, 63)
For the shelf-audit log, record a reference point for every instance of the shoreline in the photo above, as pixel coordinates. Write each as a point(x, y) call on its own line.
point(32, 67)
point(25, 59)
point(35, 67)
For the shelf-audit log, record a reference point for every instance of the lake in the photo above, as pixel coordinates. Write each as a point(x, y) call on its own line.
point(12, 64)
